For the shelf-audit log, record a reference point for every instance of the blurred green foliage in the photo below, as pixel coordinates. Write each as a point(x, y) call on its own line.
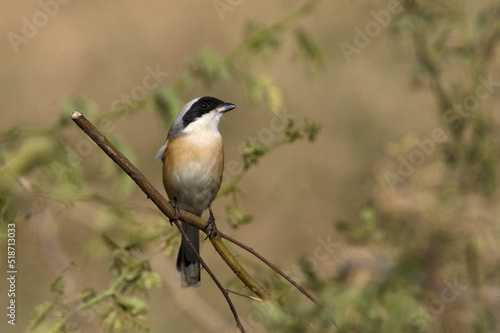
point(423, 254)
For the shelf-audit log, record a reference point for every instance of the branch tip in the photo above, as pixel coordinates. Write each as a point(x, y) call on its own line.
point(76, 114)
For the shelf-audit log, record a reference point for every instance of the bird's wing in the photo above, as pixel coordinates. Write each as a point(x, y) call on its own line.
point(160, 155)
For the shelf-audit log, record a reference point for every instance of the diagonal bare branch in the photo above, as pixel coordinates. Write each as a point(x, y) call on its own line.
point(166, 208)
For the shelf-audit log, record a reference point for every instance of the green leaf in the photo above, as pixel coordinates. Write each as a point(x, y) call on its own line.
point(40, 313)
point(168, 103)
point(86, 294)
point(110, 321)
point(112, 245)
point(33, 154)
point(291, 132)
point(308, 49)
point(57, 286)
point(260, 87)
point(253, 88)
point(104, 310)
point(136, 238)
point(131, 304)
point(261, 40)
point(151, 279)
point(311, 130)
point(236, 216)
point(209, 66)
point(252, 152)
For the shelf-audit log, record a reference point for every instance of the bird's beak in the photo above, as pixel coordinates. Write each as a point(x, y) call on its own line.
point(226, 107)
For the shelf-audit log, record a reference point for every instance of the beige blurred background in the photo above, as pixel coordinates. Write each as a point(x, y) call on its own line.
point(101, 50)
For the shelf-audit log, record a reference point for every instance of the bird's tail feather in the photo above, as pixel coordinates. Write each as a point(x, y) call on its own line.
point(188, 264)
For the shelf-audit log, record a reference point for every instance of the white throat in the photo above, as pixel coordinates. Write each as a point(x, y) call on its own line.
point(205, 126)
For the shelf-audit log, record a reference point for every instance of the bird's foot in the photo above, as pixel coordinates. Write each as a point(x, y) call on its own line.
point(177, 209)
point(212, 228)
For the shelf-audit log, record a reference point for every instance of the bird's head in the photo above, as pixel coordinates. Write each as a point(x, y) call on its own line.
point(201, 114)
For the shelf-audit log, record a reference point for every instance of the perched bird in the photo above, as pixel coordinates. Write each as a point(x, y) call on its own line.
point(193, 162)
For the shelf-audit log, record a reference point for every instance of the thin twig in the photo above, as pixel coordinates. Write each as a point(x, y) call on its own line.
point(243, 295)
point(277, 270)
point(270, 264)
point(212, 275)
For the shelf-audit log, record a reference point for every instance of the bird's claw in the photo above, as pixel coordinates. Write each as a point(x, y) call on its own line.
point(212, 228)
point(176, 210)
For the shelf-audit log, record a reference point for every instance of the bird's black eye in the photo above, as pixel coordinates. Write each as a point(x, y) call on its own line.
point(200, 107)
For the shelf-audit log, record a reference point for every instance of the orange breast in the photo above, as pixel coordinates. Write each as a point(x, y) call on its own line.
point(192, 170)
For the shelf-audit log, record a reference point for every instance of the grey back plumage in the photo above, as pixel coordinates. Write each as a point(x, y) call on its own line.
point(178, 124)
